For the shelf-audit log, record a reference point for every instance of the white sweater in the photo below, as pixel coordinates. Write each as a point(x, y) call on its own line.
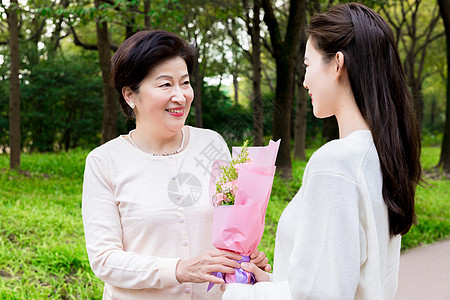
point(333, 238)
point(143, 213)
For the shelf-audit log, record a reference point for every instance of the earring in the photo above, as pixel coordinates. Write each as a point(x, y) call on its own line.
point(132, 105)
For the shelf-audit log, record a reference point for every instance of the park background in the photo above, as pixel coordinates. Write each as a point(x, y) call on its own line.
point(56, 106)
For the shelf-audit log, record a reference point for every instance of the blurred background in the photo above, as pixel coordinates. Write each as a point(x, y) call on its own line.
point(247, 79)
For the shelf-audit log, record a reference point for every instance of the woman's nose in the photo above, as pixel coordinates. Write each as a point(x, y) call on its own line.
point(304, 85)
point(178, 95)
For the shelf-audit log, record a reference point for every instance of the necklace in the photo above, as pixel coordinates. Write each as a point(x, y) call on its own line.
point(161, 154)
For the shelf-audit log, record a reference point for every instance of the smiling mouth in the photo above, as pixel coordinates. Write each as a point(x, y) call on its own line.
point(175, 111)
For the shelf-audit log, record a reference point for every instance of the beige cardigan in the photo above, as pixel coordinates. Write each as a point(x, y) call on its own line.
point(143, 213)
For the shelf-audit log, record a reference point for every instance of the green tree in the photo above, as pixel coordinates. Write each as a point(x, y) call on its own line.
point(250, 14)
point(109, 123)
point(414, 23)
point(285, 50)
point(444, 160)
point(301, 99)
point(61, 104)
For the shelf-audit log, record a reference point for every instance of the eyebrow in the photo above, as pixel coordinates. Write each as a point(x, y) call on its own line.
point(170, 77)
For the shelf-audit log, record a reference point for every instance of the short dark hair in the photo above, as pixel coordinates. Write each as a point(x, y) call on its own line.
point(139, 54)
point(378, 83)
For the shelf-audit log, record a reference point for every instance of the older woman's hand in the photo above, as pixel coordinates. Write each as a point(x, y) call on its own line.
point(198, 269)
point(259, 259)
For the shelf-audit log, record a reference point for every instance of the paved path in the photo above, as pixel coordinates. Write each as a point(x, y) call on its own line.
point(425, 273)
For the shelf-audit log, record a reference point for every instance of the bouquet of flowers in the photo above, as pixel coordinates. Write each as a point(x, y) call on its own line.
point(240, 193)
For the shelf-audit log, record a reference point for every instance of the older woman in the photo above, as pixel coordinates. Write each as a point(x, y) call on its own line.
point(146, 211)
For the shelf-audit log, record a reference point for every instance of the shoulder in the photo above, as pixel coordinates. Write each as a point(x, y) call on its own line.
point(208, 142)
point(204, 133)
point(344, 156)
point(107, 149)
point(206, 136)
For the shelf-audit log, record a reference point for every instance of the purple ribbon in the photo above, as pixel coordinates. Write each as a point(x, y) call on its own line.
point(240, 275)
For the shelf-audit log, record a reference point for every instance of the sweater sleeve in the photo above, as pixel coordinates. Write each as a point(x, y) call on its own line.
point(103, 233)
point(325, 259)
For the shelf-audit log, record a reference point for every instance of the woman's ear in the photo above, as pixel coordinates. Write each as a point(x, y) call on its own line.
point(128, 94)
point(339, 64)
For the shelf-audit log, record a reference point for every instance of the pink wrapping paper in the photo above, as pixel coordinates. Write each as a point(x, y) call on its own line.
point(239, 227)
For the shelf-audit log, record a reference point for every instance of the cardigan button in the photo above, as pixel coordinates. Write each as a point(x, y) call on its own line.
point(184, 243)
point(187, 291)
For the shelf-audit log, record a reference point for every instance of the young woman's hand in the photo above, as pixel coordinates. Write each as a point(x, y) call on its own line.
point(259, 258)
point(260, 275)
point(198, 269)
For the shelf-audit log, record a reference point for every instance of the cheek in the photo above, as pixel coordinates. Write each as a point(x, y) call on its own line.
point(156, 105)
point(325, 105)
point(189, 96)
point(312, 77)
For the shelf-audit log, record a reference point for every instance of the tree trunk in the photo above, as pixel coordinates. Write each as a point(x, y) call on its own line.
point(258, 108)
point(109, 123)
point(131, 27)
point(147, 17)
point(300, 111)
point(285, 54)
point(444, 160)
point(282, 117)
point(300, 119)
point(14, 87)
point(33, 50)
point(416, 91)
point(269, 80)
point(56, 34)
point(198, 82)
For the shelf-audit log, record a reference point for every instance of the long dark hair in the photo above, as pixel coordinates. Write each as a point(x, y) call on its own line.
point(378, 83)
point(139, 54)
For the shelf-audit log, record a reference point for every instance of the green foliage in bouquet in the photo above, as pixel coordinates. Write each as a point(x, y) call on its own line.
point(229, 176)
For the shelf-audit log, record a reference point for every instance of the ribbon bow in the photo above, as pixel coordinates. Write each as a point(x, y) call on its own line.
point(241, 276)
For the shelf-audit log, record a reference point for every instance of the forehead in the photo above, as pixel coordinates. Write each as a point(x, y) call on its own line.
point(175, 66)
point(310, 51)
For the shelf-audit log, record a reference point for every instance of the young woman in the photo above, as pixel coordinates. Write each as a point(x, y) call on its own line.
point(339, 238)
point(146, 211)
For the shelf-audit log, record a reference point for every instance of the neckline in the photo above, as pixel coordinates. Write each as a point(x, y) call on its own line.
point(183, 151)
point(178, 150)
point(356, 132)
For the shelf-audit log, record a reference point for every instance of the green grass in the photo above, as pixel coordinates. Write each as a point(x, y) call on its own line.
point(432, 205)
point(42, 250)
